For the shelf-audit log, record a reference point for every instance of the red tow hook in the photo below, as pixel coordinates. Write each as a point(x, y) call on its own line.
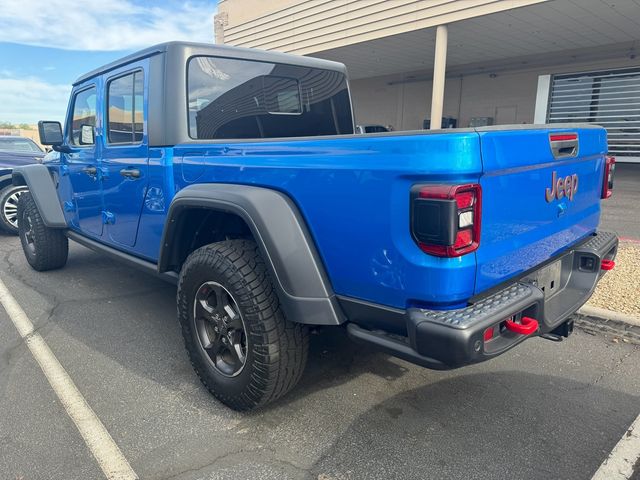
point(607, 264)
point(526, 326)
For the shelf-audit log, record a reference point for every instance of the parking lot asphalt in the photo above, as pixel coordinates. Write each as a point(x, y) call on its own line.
point(544, 410)
point(620, 212)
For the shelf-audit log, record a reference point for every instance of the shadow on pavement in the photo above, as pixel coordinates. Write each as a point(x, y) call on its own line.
point(502, 424)
point(534, 426)
point(130, 316)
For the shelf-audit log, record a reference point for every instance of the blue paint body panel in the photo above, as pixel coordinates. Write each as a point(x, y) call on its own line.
point(520, 228)
point(353, 192)
point(354, 195)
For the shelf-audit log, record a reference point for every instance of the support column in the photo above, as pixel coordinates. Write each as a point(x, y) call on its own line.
point(220, 21)
point(439, 70)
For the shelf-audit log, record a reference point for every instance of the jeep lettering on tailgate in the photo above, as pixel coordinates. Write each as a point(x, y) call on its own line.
point(562, 187)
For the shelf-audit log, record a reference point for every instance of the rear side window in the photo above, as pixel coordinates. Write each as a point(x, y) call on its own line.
point(84, 113)
point(281, 95)
point(235, 99)
point(125, 116)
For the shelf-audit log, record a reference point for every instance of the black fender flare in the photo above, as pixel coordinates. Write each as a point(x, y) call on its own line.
point(43, 191)
point(281, 233)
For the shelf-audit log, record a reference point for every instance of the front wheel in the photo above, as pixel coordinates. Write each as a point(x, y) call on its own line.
point(241, 346)
point(9, 197)
point(45, 248)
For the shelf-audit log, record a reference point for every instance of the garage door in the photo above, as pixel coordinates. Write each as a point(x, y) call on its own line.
point(609, 98)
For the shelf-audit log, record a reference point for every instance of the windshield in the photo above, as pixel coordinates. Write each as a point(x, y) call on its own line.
point(13, 144)
point(231, 98)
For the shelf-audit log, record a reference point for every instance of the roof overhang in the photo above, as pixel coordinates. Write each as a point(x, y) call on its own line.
point(555, 32)
point(309, 26)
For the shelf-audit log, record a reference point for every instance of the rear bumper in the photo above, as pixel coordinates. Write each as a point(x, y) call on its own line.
point(444, 339)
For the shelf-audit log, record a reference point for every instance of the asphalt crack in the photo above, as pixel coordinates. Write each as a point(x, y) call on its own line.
point(255, 452)
point(55, 304)
point(9, 353)
point(612, 369)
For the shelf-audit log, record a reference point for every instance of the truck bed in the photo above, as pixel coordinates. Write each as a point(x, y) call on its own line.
point(353, 192)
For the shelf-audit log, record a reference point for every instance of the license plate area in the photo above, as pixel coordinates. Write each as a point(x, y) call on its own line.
point(548, 279)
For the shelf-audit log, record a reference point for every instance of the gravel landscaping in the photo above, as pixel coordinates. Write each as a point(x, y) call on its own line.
point(619, 290)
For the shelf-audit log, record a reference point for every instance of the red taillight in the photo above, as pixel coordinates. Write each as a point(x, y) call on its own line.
point(465, 199)
point(464, 238)
point(446, 218)
point(609, 170)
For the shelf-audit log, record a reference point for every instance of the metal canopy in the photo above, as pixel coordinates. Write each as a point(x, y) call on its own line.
point(516, 37)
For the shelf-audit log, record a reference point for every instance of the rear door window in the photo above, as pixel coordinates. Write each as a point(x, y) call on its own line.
point(282, 95)
point(125, 116)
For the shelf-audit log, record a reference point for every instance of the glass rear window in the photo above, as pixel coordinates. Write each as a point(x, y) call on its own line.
point(236, 99)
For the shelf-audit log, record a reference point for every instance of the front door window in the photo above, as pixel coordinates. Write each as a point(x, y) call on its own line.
point(84, 114)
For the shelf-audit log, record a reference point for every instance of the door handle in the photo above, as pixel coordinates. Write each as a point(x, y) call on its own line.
point(130, 172)
point(91, 171)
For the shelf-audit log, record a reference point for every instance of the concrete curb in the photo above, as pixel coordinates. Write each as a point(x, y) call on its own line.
point(604, 314)
point(634, 241)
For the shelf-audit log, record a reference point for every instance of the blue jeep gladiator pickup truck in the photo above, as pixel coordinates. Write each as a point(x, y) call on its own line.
point(236, 173)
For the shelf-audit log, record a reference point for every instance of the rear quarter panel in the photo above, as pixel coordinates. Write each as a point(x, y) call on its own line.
point(353, 192)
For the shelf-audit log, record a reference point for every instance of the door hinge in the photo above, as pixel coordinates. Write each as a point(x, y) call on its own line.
point(108, 218)
point(69, 206)
point(64, 170)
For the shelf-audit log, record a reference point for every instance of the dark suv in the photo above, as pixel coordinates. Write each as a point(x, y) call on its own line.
point(14, 152)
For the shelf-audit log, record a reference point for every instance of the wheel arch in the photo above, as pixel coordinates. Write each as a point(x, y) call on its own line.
point(43, 190)
point(6, 179)
point(279, 230)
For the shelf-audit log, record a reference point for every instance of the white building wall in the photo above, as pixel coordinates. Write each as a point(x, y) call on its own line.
point(509, 97)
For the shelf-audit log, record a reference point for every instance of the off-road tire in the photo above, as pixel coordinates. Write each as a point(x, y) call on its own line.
point(45, 248)
point(276, 350)
point(7, 195)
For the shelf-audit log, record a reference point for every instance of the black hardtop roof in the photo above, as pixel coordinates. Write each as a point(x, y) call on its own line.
point(185, 49)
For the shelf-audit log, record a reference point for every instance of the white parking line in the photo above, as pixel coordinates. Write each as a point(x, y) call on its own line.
point(108, 455)
point(619, 465)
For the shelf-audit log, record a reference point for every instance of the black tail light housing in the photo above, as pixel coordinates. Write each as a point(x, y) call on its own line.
point(609, 170)
point(445, 219)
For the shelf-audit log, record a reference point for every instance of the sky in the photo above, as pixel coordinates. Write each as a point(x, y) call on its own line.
point(46, 44)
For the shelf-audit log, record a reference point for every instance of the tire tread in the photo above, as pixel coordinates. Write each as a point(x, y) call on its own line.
point(279, 347)
point(51, 244)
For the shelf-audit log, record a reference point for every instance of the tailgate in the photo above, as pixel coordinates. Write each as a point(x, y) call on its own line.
point(526, 220)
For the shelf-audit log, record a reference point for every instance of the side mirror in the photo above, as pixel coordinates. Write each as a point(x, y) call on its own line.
point(50, 133)
point(87, 135)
